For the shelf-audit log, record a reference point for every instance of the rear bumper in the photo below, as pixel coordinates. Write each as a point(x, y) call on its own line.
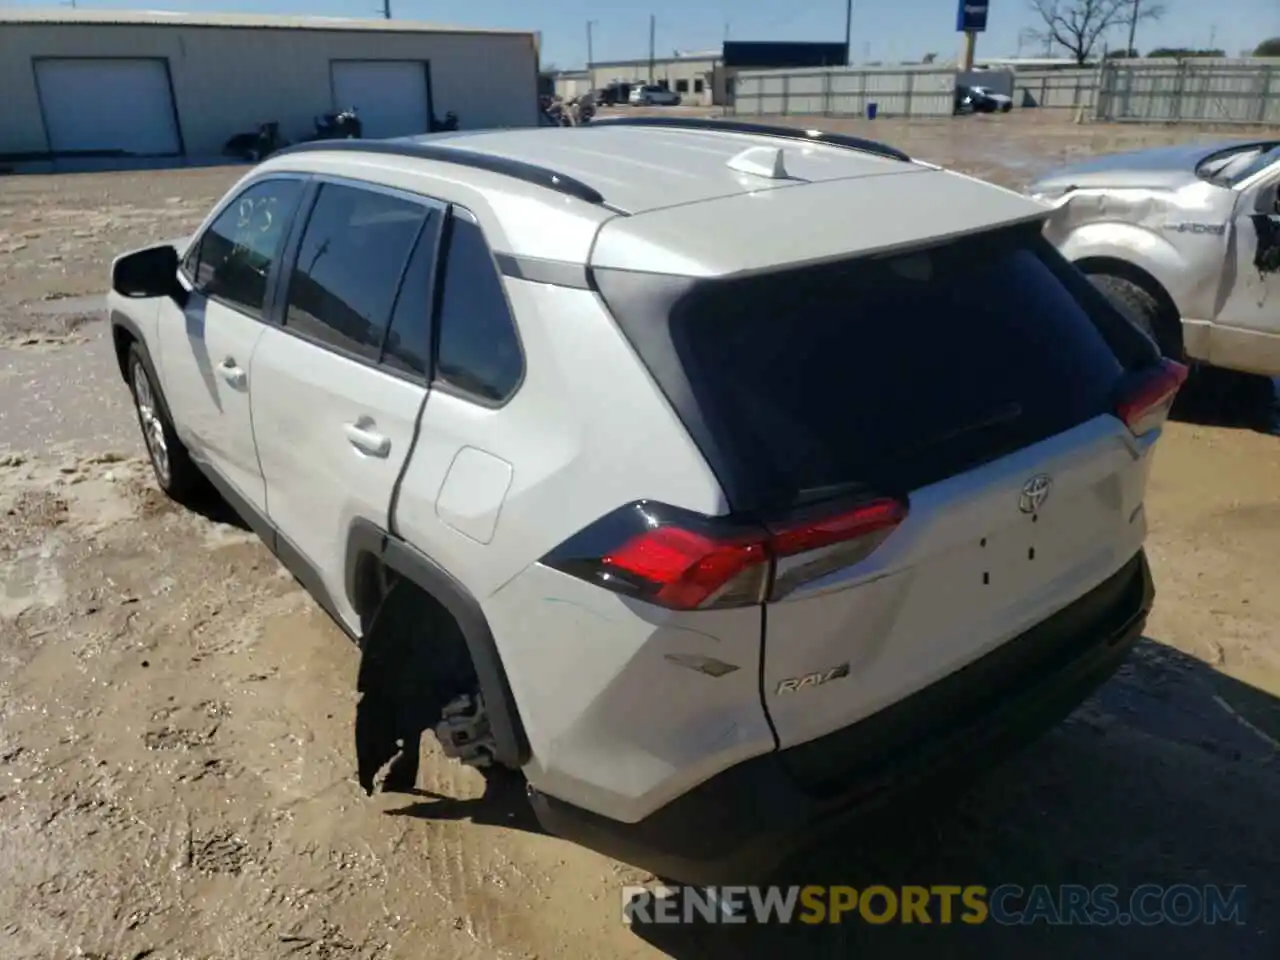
point(739, 825)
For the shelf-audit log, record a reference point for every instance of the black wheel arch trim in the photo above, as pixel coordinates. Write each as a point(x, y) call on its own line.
point(120, 321)
point(125, 322)
point(365, 538)
point(144, 354)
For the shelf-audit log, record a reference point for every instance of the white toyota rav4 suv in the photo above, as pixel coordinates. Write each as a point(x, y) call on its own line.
point(715, 480)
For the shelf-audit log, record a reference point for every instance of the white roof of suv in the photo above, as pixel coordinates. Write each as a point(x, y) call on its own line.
point(672, 195)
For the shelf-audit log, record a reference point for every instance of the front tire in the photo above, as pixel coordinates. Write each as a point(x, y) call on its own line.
point(1142, 309)
point(174, 470)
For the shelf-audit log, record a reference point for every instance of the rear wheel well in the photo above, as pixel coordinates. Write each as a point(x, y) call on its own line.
point(122, 339)
point(373, 580)
point(1168, 322)
point(368, 586)
point(455, 632)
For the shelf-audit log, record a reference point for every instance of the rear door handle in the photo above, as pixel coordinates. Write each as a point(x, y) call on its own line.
point(366, 440)
point(232, 373)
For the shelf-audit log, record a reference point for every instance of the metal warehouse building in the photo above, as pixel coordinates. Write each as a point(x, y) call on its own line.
point(692, 75)
point(77, 83)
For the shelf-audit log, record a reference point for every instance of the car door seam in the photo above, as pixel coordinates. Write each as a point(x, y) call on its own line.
point(273, 313)
point(437, 283)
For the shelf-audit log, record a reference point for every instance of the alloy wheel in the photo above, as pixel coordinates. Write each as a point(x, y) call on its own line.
point(152, 425)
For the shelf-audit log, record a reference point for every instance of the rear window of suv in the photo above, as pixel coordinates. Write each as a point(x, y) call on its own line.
point(889, 373)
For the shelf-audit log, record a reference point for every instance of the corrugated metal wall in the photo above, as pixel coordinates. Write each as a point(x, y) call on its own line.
point(570, 87)
point(842, 91)
point(228, 80)
point(682, 75)
point(1056, 89)
point(1195, 91)
point(1156, 91)
point(1160, 91)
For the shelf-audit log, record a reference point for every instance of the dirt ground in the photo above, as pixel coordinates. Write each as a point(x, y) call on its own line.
point(176, 763)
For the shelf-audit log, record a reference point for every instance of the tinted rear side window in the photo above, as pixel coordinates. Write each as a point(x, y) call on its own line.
point(479, 349)
point(349, 265)
point(890, 372)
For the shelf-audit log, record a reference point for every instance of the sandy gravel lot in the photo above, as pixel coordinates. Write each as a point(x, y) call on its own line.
point(176, 771)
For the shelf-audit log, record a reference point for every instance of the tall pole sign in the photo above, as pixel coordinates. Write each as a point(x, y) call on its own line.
point(971, 20)
point(971, 16)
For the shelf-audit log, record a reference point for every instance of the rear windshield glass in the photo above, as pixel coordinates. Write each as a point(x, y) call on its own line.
point(895, 372)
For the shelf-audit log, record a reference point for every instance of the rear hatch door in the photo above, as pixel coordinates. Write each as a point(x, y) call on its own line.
point(975, 381)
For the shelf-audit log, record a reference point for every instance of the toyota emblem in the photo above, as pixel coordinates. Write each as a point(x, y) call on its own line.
point(1034, 493)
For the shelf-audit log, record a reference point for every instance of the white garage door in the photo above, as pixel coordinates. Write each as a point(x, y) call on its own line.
point(390, 95)
point(101, 105)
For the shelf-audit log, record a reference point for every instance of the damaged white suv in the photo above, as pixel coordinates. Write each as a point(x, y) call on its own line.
point(677, 466)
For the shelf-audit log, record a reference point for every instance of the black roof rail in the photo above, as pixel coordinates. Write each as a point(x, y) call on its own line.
point(517, 169)
point(760, 130)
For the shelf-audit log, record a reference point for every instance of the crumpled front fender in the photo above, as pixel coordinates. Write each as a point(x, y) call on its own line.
point(1185, 258)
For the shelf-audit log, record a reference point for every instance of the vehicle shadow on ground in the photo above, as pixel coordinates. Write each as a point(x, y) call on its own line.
point(210, 504)
point(504, 804)
point(1223, 398)
point(1170, 775)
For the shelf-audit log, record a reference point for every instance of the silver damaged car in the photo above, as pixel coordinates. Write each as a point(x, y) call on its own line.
point(1185, 240)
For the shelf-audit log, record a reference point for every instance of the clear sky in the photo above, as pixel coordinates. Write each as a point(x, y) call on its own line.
point(886, 29)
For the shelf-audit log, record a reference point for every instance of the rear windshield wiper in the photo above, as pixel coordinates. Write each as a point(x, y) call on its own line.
point(829, 491)
point(1002, 416)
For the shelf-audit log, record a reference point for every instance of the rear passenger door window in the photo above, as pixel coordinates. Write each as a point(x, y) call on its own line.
point(478, 354)
point(407, 346)
point(350, 261)
point(233, 260)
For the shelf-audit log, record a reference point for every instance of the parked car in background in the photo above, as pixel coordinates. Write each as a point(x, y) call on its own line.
point(986, 100)
point(1185, 240)
point(651, 95)
point(612, 94)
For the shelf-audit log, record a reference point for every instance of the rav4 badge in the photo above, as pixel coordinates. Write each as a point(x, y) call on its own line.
point(796, 684)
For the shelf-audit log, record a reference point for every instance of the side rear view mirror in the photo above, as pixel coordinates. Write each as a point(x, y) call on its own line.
point(150, 272)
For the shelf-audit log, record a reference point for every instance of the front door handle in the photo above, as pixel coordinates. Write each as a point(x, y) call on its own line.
point(232, 372)
point(366, 440)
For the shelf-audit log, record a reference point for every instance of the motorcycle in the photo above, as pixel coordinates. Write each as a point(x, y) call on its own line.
point(345, 125)
point(556, 112)
point(257, 145)
point(450, 122)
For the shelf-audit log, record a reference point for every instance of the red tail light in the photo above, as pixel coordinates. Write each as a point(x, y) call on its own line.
point(685, 561)
point(867, 518)
point(687, 569)
point(1145, 401)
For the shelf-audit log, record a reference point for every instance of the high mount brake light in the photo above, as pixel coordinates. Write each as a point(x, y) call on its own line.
point(684, 561)
point(1145, 401)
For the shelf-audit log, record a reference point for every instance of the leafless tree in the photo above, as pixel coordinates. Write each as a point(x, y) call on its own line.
point(1078, 25)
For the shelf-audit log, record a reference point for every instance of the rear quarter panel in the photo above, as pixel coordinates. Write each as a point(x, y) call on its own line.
point(614, 725)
